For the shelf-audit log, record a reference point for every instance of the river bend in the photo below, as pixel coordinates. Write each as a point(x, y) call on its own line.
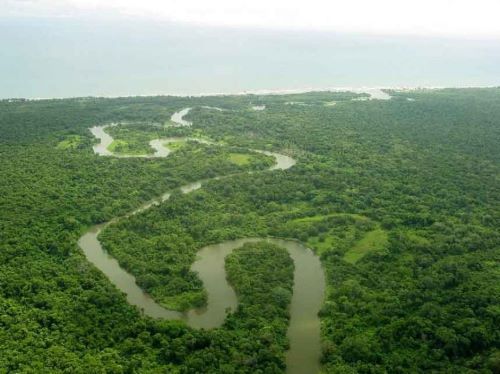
point(309, 283)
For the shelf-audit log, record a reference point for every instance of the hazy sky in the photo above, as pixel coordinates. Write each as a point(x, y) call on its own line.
point(469, 18)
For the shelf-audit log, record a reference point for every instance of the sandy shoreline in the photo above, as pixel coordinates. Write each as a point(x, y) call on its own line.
point(357, 89)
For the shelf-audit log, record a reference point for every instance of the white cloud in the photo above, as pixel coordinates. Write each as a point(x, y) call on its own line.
point(435, 17)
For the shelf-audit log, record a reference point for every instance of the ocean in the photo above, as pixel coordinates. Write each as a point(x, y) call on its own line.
point(66, 57)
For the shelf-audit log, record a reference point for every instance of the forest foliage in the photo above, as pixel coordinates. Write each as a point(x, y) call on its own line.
point(409, 188)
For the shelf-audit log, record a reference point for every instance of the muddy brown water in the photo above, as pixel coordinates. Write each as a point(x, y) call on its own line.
point(309, 281)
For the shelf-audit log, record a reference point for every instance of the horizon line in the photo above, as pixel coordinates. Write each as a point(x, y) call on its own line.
point(263, 92)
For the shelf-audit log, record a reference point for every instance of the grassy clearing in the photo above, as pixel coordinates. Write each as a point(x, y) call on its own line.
point(352, 235)
point(335, 231)
point(330, 239)
point(373, 241)
point(321, 245)
point(71, 142)
point(240, 158)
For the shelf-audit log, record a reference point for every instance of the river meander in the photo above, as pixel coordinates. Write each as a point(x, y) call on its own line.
point(309, 283)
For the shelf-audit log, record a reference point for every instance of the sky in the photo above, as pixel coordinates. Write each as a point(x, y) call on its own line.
point(68, 48)
point(450, 18)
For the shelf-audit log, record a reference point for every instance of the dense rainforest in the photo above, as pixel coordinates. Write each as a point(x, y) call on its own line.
point(400, 198)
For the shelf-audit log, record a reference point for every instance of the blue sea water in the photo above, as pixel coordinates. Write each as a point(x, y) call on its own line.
point(65, 57)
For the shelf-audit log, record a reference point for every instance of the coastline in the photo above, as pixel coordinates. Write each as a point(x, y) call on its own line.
point(356, 89)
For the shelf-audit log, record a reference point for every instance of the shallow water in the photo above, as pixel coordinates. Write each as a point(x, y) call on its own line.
point(178, 117)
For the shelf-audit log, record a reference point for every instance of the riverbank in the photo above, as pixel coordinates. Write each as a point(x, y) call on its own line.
point(304, 328)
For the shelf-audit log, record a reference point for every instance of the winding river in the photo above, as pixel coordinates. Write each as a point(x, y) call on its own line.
point(309, 283)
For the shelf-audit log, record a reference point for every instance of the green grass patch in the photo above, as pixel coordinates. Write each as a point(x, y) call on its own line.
point(321, 244)
point(330, 232)
point(373, 241)
point(326, 241)
point(71, 142)
point(240, 158)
